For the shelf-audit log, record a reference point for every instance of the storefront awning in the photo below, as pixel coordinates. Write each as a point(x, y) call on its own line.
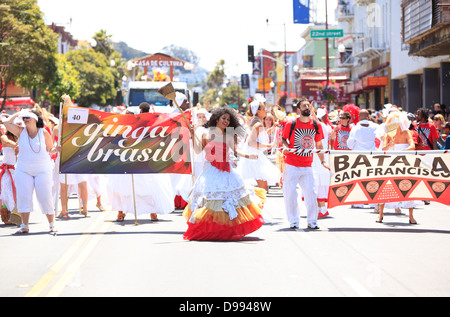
point(375, 82)
point(17, 101)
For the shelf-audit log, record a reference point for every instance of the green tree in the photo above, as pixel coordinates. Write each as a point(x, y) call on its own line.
point(96, 79)
point(216, 78)
point(117, 64)
point(232, 95)
point(66, 81)
point(210, 96)
point(28, 49)
point(104, 43)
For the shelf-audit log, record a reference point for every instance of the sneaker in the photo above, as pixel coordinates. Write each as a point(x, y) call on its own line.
point(313, 226)
point(321, 215)
point(294, 226)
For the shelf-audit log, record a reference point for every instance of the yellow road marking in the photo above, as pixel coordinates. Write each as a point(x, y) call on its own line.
point(48, 277)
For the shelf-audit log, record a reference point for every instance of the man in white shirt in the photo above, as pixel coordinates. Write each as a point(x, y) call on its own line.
point(362, 137)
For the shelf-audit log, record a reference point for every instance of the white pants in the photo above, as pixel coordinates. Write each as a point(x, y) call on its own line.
point(25, 185)
point(304, 177)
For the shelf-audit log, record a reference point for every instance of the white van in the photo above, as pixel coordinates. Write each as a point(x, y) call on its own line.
point(147, 91)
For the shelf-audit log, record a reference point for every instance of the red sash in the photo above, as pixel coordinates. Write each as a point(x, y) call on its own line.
point(216, 154)
point(6, 168)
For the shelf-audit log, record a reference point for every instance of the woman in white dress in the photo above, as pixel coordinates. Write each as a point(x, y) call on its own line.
point(7, 172)
point(260, 170)
point(34, 170)
point(153, 193)
point(402, 140)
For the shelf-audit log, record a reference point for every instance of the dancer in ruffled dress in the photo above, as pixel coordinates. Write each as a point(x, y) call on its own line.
point(221, 207)
point(262, 170)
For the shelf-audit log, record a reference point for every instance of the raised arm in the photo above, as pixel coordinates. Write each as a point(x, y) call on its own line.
point(11, 126)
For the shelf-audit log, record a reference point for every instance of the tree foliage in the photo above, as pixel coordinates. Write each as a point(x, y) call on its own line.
point(217, 77)
point(66, 81)
point(95, 75)
point(29, 46)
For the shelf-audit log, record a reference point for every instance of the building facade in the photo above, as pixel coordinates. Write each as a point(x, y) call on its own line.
point(365, 50)
point(420, 53)
point(310, 74)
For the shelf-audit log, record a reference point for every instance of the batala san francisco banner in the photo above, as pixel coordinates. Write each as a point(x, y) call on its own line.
point(96, 142)
point(371, 178)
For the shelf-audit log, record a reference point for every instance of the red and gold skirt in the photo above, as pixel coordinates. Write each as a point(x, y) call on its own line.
point(211, 222)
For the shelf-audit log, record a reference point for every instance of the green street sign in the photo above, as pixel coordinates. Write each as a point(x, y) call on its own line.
point(315, 34)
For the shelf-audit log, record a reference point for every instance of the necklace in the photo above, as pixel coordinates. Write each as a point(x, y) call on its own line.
point(39, 137)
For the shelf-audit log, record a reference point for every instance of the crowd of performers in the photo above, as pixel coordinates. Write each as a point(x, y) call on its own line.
point(237, 158)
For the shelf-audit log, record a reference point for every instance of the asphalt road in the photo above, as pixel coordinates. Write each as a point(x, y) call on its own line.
point(350, 256)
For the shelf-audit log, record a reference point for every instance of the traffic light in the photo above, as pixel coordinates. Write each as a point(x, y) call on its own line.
point(251, 53)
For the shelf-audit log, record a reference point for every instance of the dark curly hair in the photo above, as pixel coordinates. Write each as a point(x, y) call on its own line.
point(40, 121)
point(234, 120)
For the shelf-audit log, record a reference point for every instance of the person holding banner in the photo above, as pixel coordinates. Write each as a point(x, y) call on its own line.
point(321, 174)
point(299, 138)
point(221, 207)
point(427, 131)
point(182, 184)
point(398, 138)
point(341, 132)
point(140, 193)
point(34, 167)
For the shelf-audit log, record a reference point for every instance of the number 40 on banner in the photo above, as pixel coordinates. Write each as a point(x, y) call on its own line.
point(77, 115)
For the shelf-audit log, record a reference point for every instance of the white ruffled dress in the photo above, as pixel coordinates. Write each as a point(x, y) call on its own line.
point(260, 169)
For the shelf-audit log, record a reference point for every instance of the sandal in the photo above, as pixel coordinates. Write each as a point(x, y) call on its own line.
point(100, 207)
point(154, 217)
point(120, 217)
point(63, 215)
point(23, 229)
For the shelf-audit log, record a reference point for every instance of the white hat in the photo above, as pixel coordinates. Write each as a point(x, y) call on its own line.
point(179, 98)
point(54, 120)
point(320, 113)
point(134, 110)
point(25, 113)
point(254, 106)
point(260, 98)
point(201, 110)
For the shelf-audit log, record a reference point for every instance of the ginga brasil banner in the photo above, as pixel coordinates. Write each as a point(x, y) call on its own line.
point(96, 142)
point(359, 178)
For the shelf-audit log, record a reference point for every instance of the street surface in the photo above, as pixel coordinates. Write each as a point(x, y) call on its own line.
point(350, 256)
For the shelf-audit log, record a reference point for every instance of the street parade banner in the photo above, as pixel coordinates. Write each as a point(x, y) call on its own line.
point(389, 177)
point(96, 142)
